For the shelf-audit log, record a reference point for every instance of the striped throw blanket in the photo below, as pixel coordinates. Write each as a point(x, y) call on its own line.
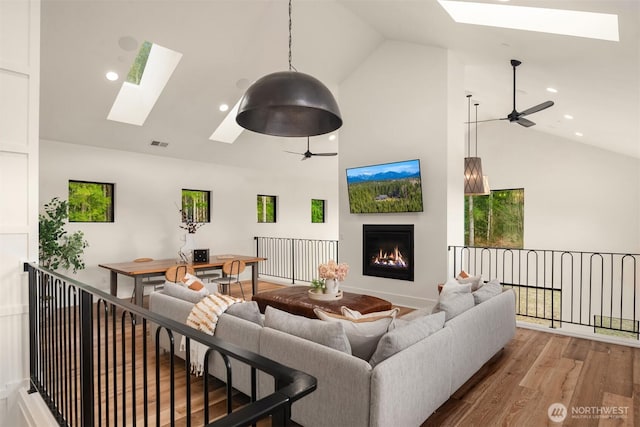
point(204, 317)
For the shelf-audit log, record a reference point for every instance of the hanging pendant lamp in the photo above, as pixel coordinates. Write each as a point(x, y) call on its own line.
point(289, 103)
point(473, 178)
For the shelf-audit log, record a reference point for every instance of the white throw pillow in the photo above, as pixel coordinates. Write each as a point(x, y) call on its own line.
point(363, 333)
point(355, 314)
point(454, 299)
point(476, 281)
point(182, 292)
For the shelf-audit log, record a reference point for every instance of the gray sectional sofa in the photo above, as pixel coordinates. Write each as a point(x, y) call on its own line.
point(405, 389)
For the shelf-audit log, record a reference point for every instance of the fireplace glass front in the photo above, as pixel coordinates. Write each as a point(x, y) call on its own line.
point(387, 251)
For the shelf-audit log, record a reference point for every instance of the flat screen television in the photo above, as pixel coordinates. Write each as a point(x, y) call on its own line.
point(385, 188)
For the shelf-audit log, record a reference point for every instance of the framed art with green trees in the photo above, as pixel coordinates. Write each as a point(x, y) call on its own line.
point(317, 211)
point(90, 201)
point(495, 220)
point(266, 208)
point(196, 206)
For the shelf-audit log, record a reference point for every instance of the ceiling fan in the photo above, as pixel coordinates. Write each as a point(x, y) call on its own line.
point(516, 116)
point(307, 154)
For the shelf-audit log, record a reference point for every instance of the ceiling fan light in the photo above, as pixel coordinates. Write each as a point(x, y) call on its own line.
point(289, 103)
point(473, 178)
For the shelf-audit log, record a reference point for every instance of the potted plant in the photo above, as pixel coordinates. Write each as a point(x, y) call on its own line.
point(57, 249)
point(318, 285)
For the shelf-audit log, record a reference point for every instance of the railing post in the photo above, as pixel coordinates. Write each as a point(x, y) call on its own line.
point(33, 342)
point(86, 357)
point(293, 261)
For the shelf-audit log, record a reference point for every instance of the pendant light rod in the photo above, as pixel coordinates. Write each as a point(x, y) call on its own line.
point(290, 66)
point(476, 105)
point(469, 125)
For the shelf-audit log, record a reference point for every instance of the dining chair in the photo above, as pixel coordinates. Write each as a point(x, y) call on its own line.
point(231, 275)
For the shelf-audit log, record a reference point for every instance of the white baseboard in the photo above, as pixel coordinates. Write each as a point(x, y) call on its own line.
point(33, 411)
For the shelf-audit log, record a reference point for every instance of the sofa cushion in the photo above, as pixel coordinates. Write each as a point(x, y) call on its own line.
point(247, 310)
point(363, 333)
point(487, 291)
point(400, 338)
point(330, 334)
point(178, 291)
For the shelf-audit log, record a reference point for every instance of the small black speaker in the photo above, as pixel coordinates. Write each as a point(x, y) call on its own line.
point(201, 255)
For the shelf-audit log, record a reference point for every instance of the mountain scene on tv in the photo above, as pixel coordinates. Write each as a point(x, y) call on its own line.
point(390, 187)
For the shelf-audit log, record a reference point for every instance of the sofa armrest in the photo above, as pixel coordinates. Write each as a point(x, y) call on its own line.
point(410, 385)
point(342, 395)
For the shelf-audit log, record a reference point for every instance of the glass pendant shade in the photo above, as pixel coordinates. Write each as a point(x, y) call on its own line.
point(289, 103)
point(473, 178)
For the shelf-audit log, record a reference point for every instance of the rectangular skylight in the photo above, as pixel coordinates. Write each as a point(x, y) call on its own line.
point(228, 131)
point(135, 101)
point(555, 21)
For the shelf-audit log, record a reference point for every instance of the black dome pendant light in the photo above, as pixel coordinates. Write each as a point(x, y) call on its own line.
point(289, 103)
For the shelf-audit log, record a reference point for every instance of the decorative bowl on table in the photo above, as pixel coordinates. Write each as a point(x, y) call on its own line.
point(320, 296)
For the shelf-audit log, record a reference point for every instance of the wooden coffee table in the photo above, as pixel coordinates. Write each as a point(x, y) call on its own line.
point(295, 300)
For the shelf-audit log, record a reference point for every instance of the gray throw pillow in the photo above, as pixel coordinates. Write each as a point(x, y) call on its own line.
point(487, 291)
point(451, 291)
point(400, 338)
point(363, 333)
point(247, 310)
point(476, 282)
point(178, 291)
point(330, 334)
point(457, 305)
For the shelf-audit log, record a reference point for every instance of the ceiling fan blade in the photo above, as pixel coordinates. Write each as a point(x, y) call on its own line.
point(524, 122)
point(488, 120)
point(537, 108)
point(294, 152)
point(324, 154)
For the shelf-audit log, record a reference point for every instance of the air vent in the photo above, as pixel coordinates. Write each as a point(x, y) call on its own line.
point(159, 144)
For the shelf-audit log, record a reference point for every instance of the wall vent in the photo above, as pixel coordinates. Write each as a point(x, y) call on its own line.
point(159, 144)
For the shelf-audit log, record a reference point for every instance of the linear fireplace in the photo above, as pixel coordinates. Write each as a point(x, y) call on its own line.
point(387, 251)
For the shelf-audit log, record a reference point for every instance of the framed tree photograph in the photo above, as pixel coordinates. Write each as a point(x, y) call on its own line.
point(266, 208)
point(90, 201)
point(196, 205)
point(317, 211)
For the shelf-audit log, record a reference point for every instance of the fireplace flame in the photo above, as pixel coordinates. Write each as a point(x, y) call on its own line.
point(390, 259)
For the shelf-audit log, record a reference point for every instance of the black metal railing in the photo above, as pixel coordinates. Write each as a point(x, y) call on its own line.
point(91, 362)
point(294, 259)
point(593, 289)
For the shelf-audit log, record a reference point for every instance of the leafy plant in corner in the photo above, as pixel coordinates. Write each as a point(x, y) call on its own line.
point(57, 249)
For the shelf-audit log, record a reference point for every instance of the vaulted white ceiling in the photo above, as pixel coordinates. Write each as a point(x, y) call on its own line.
point(226, 43)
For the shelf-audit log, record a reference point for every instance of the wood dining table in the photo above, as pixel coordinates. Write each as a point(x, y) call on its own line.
point(154, 268)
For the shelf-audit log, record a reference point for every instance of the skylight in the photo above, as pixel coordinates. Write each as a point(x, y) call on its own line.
point(136, 100)
point(554, 21)
point(228, 131)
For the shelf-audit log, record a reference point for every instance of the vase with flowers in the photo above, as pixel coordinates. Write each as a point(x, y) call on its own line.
point(332, 273)
point(186, 251)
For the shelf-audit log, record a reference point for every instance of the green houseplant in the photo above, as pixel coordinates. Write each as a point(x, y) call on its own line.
point(57, 249)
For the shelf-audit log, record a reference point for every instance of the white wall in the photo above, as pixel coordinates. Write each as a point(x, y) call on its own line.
point(148, 189)
point(19, 118)
point(395, 107)
point(577, 197)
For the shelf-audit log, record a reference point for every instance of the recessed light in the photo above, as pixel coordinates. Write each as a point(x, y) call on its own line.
point(224, 107)
point(568, 116)
point(332, 137)
point(112, 76)
point(552, 90)
point(579, 133)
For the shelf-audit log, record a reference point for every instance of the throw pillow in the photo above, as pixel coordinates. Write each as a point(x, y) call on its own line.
point(400, 338)
point(363, 333)
point(454, 299)
point(330, 334)
point(192, 282)
point(178, 291)
point(488, 291)
point(247, 310)
point(476, 281)
point(355, 314)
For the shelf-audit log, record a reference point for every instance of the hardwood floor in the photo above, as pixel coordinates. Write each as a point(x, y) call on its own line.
point(515, 388)
point(537, 369)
